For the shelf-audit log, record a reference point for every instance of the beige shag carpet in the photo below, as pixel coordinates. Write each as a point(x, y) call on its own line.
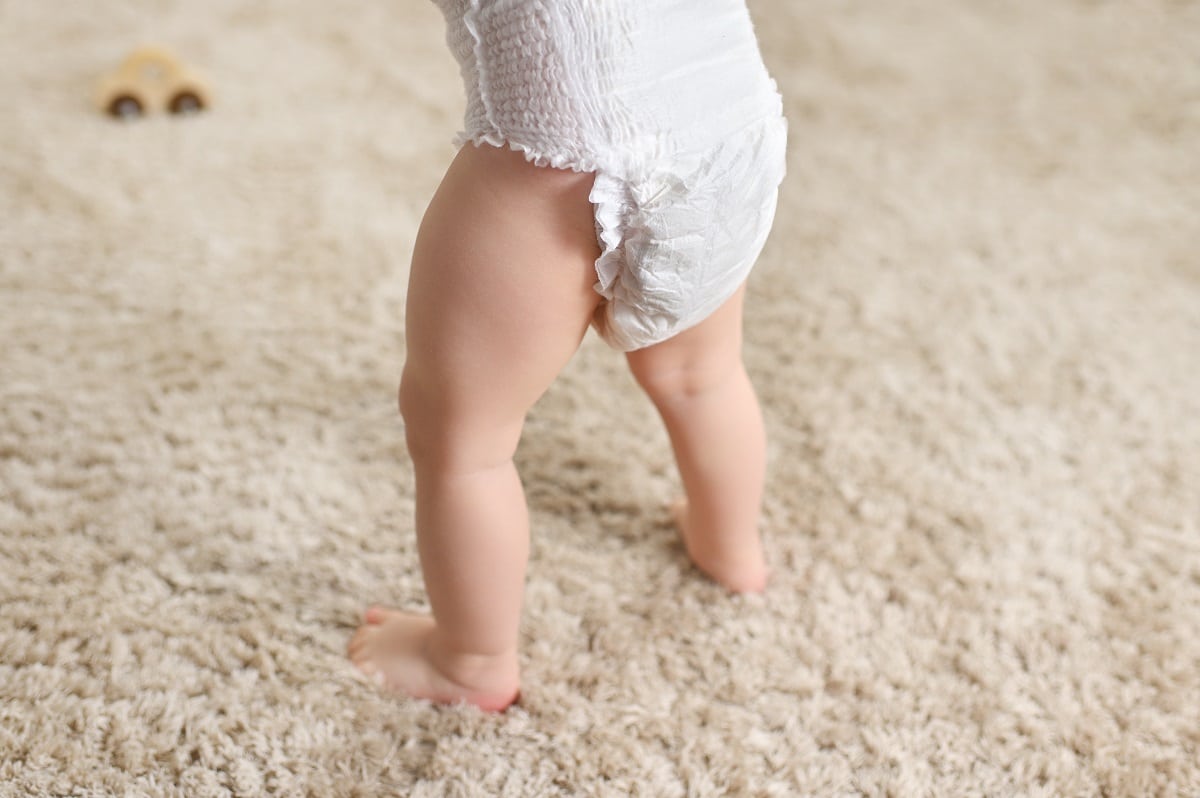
point(976, 332)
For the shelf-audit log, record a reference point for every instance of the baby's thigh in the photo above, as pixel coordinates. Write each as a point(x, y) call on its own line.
point(692, 360)
point(500, 292)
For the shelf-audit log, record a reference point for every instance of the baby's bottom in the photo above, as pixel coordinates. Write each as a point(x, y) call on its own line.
point(500, 296)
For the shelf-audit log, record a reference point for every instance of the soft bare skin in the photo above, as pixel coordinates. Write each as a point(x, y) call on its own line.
point(500, 296)
point(701, 389)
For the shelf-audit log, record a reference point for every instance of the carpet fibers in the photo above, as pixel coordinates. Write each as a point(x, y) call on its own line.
point(976, 335)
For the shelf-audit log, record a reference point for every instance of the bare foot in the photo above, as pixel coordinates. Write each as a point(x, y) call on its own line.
point(401, 652)
point(743, 571)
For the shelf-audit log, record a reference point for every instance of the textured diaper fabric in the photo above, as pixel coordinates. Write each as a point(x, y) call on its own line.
point(669, 104)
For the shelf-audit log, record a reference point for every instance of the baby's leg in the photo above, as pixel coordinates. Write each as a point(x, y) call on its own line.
point(700, 387)
point(500, 295)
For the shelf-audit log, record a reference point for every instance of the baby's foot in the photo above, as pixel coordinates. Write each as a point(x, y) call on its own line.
point(745, 571)
point(401, 653)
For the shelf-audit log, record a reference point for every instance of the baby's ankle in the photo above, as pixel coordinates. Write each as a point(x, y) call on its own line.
point(487, 672)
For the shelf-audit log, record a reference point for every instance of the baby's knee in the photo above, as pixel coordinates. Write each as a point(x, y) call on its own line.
point(666, 379)
point(409, 398)
point(427, 428)
point(448, 432)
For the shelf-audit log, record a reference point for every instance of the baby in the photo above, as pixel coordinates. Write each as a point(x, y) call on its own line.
point(619, 169)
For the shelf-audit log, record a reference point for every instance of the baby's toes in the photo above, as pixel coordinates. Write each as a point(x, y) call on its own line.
point(359, 647)
point(377, 614)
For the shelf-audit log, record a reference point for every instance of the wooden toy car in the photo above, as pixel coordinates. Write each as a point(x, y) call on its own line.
point(152, 79)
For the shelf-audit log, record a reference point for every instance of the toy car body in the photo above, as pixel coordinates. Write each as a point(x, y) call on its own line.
point(151, 79)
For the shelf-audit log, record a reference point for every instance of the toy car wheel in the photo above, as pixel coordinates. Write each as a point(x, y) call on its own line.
point(186, 102)
point(125, 106)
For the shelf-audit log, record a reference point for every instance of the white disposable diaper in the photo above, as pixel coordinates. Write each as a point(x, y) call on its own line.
point(669, 104)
